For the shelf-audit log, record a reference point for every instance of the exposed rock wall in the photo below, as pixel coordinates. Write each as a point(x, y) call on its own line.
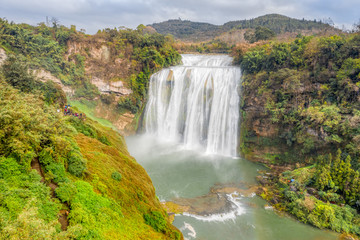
point(3, 56)
point(44, 76)
point(107, 87)
point(108, 68)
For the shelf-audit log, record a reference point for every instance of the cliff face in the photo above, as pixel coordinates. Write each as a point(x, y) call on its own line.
point(266, 137)
point(300, 99)
point(107, 67)
point(104, 69)
point(260, 136)
point(3, 56)
point(119, 64)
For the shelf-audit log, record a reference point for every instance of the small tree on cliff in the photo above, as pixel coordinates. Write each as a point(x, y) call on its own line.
point(323, 179)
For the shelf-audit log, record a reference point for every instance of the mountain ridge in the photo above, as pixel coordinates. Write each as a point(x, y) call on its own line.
point(189, 30)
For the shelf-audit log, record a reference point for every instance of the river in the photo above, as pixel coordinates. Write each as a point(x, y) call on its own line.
point(189, 151)
point(177, 172)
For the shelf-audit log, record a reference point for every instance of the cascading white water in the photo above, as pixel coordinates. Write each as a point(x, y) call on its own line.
point(196, 103)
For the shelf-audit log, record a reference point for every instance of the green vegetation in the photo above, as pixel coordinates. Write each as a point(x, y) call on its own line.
point(26, 211)
point(301, 103)
point(338, 180)
point(184, 29)
point(116, 176)
point(260, 33)
point(325, 195)
point(88, 107)
point(156, 220)
point(196, 31)
point(213, 46)
point(309, 88)
point(79, 160)
point(150, 53)
point(44, 47)
point(16, 74)
point(279, 24)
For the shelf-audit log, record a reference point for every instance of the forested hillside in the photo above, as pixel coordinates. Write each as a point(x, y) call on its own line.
point(65, 176)
point(279, 24)
point(195, 31)
point(122, 57)
point(301, 108)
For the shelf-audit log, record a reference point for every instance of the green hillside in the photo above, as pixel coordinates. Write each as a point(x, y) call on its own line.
point(66, 176)
point(301, 115)
point(277, 23)
point(184, 29)
point(188, 30)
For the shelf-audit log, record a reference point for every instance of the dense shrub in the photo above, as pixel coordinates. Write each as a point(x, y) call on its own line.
point(83, 127)
point(128, 104)
point(26, 195)
point(66, 192)
point(116, 176)
point(332, 197)
point(156, 220)
point(76, 164)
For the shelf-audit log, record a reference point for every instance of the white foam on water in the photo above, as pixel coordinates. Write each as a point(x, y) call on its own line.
point(268, 207)
point(191, 231)
point(252, 195)
point(222, 217)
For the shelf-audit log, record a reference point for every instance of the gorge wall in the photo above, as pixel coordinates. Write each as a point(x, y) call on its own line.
point(300, 99)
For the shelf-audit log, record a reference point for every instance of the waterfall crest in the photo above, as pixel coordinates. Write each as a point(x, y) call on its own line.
point(196, 103)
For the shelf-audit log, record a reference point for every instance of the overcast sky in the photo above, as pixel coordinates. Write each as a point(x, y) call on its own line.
point(92, 15)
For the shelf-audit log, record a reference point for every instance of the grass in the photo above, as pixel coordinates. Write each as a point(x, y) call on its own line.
point(134, 193)
point(100, 207)
point(88, 107)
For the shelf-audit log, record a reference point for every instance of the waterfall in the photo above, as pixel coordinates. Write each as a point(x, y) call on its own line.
point(196, 103)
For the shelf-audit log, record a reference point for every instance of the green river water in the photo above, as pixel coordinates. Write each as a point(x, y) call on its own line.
point(180, 173)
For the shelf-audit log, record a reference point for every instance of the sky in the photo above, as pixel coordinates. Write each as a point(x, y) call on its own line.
point(93, 15)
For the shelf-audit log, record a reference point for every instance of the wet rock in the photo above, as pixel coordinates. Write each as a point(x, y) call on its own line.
point(346, 236)
point(217, 201)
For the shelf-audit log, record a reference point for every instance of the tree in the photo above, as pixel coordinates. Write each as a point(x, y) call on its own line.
point(336, 169)
point(140, 28)
point(249, 36)
point(17, 75)
point(323, 178)
point(55, 22)
point(263, 33)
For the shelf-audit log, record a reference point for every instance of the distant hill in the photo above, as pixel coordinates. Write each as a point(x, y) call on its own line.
point(188, 30)
point(278, 23)
point(185, 29)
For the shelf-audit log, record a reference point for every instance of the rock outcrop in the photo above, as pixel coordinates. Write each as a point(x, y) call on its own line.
point(44, 76)
point(108, 87)
point(3, 56)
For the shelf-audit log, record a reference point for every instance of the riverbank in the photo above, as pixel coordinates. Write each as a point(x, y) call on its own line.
point(292, 192)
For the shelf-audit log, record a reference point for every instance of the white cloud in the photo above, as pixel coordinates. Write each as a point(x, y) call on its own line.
point(98, 14)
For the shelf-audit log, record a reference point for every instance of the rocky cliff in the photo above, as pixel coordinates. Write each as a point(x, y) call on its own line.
point(300, 98)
